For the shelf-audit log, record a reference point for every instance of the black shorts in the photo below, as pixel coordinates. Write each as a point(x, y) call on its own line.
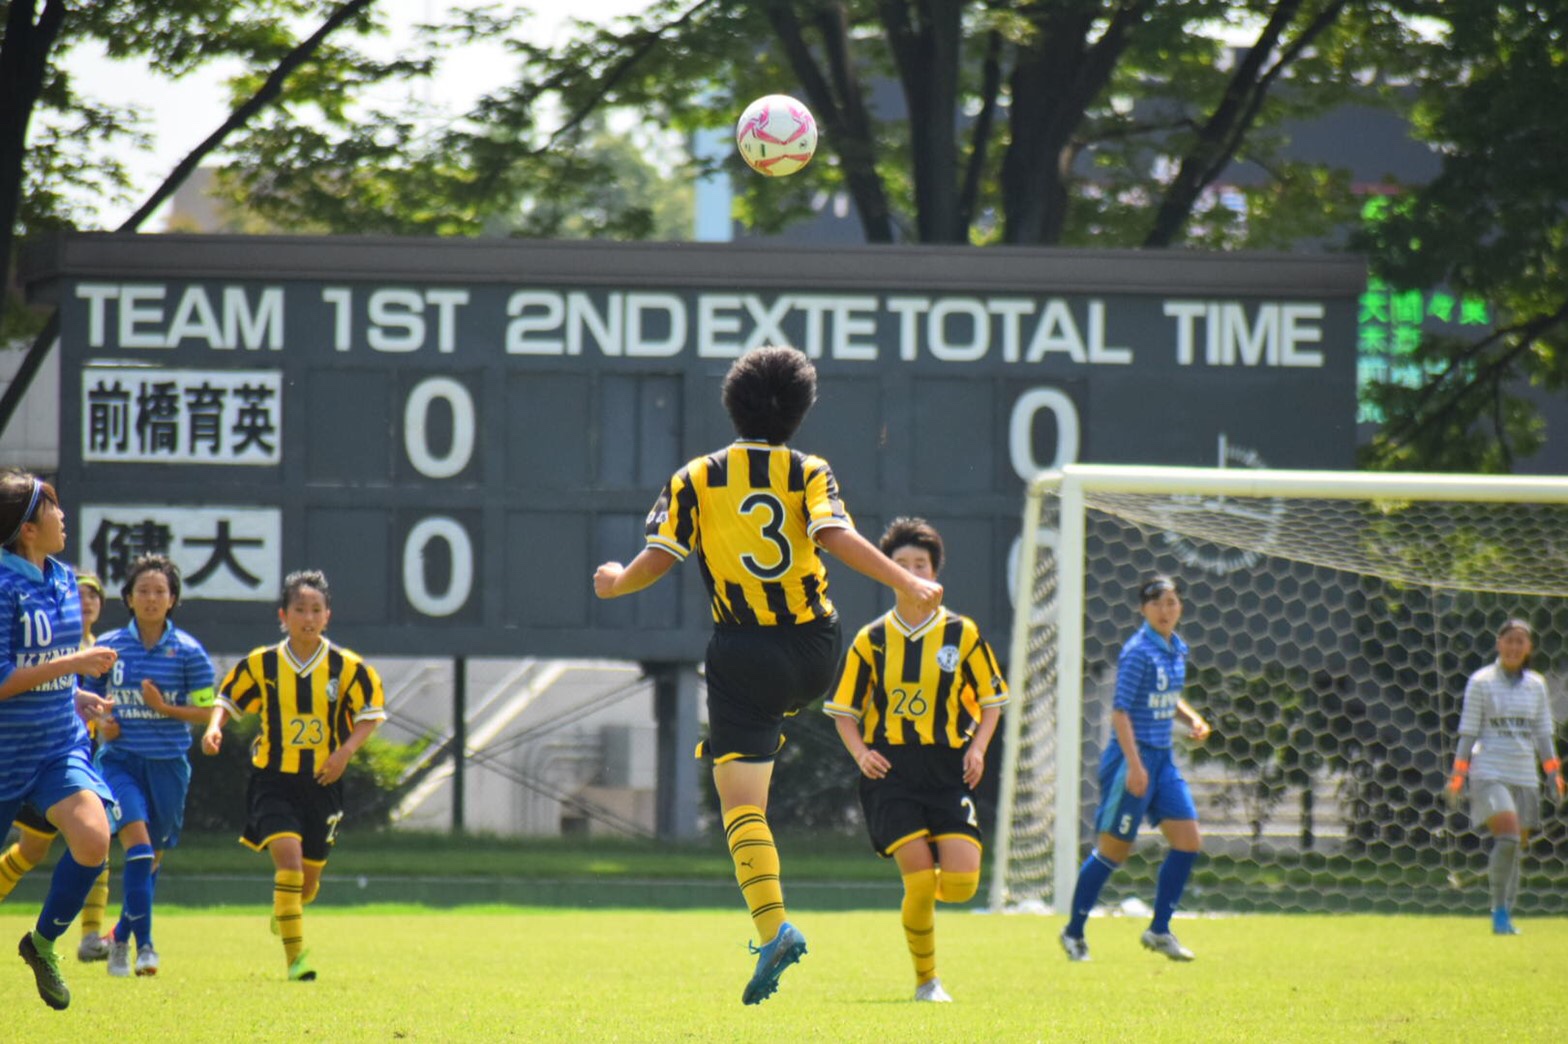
point(922, 796)
point(34, 822)
point(757, 676)
point(287, 804)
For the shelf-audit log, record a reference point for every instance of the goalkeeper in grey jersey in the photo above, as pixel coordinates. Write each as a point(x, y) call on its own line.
point(1505, 726)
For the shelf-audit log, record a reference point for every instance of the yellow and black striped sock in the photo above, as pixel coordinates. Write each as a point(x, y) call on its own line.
point(12, 866)
point(955, 887)
point(919, 911)
point(97, 899)
point(756, 868)
point(287, 908)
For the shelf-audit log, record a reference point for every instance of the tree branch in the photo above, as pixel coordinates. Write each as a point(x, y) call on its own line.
point(650, 39)
point(1227, 126)
point(980, 138)
point(840, 107)
point(264, 96)
point(1435, 401)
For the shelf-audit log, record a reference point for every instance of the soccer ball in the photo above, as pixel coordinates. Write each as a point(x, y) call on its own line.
point(776, 135)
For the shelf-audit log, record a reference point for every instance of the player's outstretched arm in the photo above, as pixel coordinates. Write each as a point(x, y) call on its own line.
point(94, 661)
point(611, 580)
point(1197, 728)
point(865, 558)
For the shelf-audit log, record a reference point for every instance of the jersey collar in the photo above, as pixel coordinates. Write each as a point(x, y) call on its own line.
point(22, 567)
point(1155, 636)
point(903, 627)
point(163, 639)
point(303, 668)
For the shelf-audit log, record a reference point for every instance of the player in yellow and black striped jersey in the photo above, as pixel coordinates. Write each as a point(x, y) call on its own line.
point(758, 507)
point(916, 706)
point(309, 707)
point(755, 514)
point(318, 704)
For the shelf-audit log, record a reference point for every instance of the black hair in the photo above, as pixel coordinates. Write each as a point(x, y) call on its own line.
point(1155, 586)
point(151, 563)
point(312, 578)
point(20, 494)
point(913, 532)
point(768, 392)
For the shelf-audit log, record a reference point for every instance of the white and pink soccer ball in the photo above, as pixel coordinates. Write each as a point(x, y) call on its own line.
point(776, 135)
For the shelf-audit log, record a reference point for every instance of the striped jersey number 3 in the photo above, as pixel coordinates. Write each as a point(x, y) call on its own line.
point(765, 510)
point(306, 732)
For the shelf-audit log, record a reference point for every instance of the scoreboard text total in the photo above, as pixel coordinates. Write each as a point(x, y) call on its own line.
point(459, 445)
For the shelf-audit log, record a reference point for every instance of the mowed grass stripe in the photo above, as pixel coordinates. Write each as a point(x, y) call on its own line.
point(510, 974)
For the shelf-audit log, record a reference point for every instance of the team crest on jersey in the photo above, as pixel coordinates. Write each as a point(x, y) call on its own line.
point(332, 691)
point(947, 658)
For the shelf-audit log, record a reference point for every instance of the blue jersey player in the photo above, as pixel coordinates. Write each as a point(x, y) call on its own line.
point(45, 760)
point(1138, 778)
point(161, 686)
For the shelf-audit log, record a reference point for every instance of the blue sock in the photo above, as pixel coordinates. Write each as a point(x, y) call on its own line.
point(136, 908)
point(1096, 870)
point(68, 890)
point(1167, 893)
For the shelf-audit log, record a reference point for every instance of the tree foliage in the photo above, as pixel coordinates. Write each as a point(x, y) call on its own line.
point(981, 121)
point(58, 147)
point(943, 121)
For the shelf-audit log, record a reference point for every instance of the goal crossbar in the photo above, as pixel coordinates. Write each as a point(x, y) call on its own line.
point(1328, 485)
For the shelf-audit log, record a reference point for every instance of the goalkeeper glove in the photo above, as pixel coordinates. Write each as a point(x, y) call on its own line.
point(1554, 777)
point(1456, 784)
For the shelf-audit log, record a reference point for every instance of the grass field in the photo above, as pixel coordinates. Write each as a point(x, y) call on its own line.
point(401, 973)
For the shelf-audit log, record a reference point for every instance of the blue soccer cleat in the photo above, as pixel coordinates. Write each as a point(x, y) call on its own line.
point(1502, 924)
point(787, 947)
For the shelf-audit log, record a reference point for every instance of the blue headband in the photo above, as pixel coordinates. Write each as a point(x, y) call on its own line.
point(32, 505)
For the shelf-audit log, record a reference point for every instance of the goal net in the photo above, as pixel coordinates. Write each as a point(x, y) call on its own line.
point(1333, 619)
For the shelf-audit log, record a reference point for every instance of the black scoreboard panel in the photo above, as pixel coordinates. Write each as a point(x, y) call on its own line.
point(459, 431)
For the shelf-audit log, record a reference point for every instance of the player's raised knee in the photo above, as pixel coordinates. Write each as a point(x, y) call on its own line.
point(958, 887)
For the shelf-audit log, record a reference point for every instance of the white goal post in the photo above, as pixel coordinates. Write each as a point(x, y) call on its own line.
point(1335, 616)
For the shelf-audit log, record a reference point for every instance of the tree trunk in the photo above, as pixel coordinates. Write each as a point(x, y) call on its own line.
point(926, 50)
point(1226, 128)
point(834, 92)
point(24, 60)
point(1056, 78)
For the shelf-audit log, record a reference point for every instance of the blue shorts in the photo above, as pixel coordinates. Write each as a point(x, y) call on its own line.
point(57, 780)
point(150, 790)
point(1167, 796)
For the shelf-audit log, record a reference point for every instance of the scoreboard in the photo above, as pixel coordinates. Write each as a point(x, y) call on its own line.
point(459, 431)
